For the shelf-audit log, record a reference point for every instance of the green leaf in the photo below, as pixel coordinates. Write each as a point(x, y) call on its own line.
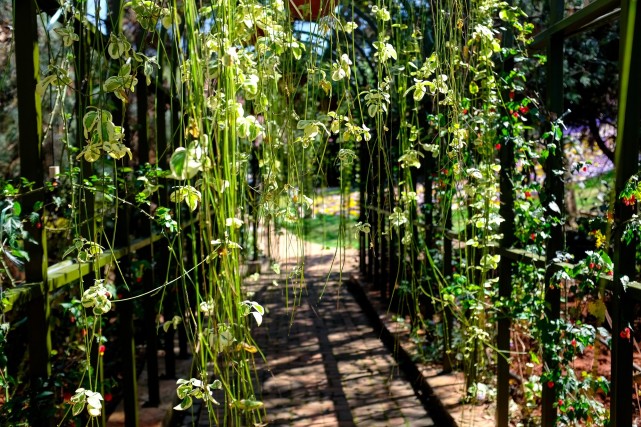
point(78, 407)
point(248, 404)
point(258, 316)
point(17, 209)
point(192, 199)
point(276, 268)
point(183, 164)
point(185, 404)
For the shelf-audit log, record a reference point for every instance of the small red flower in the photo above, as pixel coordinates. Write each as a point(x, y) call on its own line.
point(101, 350)
point(533, 236)
point(528, 194)
point(464, 111)
point(512, 95)
point(524, 109)
point(573, 342)
point(497, 146)
point(625, 334)
point(515, 115)
point(550, 384)
point(570, 408)
point(560, 402)
point(591, 266)
point(629, 201)
point(610, 273)
point(108, 397)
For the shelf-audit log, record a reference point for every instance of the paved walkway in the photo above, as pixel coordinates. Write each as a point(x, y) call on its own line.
point(325, 365)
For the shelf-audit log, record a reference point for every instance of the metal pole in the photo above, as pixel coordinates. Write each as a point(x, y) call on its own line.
point(627, 164)
point(553, 196)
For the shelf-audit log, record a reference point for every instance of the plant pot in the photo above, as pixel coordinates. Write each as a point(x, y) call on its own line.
point(310, 10)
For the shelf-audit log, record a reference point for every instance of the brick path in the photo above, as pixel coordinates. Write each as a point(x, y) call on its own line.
point(325, 365)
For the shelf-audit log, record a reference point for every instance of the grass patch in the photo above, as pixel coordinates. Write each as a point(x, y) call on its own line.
point(330, 231)
point(594, 191)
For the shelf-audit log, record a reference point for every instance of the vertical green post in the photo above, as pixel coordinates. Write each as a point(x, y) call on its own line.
point(506, 210)
point(143, 138)
point(31, 168)
point(626, 161)
point(553, 197)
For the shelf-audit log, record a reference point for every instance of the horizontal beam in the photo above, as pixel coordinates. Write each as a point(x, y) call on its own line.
point(66, 272)
point(521, 255)
point(585, 17)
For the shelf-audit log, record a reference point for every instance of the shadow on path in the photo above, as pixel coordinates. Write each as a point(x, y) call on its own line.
point(325, 366)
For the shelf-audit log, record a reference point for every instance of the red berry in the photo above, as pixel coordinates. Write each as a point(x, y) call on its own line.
point(497, 146)
point(585, 168)
point(625, 334)
point(515, 115)
point(550, 384)
point(573, 342)
point(512, 95)
point(38, 225)
point(591, 266)
point(533, 236)
point(560, 402)
point(524, 109)
point(101, 349)
point(66, 396)
point(464, 111)
point(138, 279)
point(108, 397)
point(528, 194)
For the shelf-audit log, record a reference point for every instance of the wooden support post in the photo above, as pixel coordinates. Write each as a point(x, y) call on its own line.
point(150, 310)
point(128, 353)
point(151, 335)
point(627, 164)
point(506, 210)
point(127, 344)
point(31, 169)
point(553, 197)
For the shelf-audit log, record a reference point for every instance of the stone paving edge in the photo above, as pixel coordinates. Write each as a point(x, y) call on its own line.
point(422, 388)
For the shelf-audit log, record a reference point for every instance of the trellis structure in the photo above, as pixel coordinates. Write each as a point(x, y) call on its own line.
point(379, 260)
